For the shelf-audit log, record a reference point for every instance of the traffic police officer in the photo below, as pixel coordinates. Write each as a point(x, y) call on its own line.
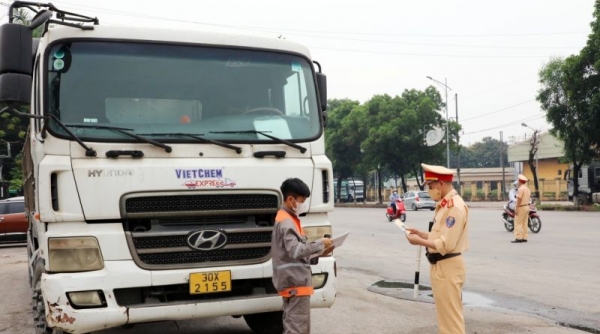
point(522, 210)
point(445, 243)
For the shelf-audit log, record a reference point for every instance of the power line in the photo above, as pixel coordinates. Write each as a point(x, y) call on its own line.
point(440, 45)
point(426, 54)
point(279, 30)
point(481, 92)
point(508, 124)
point(499, 110)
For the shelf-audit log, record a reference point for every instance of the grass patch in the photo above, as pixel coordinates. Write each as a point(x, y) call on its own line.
point(550, 207)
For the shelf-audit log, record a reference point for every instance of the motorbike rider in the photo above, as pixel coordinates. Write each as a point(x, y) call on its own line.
point(393, 197)
point(512, 195)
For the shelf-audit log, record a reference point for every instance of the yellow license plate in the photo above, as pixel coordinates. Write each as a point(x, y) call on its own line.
point(216, 281)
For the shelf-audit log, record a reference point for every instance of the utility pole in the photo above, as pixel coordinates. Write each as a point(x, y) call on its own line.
point(502, 165)
point(447, 136)
point(457, 146)
point(445, 85)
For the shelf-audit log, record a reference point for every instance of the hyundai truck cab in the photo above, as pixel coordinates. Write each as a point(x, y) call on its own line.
point(152, 169)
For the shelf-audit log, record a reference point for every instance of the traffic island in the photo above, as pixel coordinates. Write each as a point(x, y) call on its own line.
point(406, 291)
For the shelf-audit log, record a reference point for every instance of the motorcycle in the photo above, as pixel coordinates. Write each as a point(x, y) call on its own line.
point(400, 211)
point(534, 222)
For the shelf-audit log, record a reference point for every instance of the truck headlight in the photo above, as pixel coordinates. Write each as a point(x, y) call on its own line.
point(318, 280)
point(317, 232)
point(74, 254)
point(86, 299)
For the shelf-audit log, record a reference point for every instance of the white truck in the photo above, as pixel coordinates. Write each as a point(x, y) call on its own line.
point(588, 181)
point(152, 169)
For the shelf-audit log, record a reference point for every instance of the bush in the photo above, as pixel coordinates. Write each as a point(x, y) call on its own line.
point(480, 194)
point(493, 195)
point(467, 194)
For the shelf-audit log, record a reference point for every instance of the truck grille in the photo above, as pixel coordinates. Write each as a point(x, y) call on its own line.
point(171, 251)
point(203, 203)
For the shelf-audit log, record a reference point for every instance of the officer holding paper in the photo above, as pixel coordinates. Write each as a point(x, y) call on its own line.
point(445, 243)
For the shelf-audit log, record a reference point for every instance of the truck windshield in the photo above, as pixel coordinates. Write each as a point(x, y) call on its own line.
point(159, 88)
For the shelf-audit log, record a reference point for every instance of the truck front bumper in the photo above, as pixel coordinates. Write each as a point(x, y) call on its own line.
point(61, 314)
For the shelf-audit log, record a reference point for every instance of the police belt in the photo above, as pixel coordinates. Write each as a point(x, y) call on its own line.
point(435, 257)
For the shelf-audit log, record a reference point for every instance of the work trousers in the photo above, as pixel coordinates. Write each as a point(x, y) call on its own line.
point(521, 219)
point(296, 315)
point(447, 279)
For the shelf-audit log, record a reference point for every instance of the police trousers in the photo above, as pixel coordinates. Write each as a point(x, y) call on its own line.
point(296, 315)
point(447, 279)
point(521, 220)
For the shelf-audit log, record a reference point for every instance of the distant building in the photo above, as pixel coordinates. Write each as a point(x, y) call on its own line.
point(550, 163)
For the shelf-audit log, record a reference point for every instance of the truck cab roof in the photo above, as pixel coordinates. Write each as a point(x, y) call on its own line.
point(170, 36)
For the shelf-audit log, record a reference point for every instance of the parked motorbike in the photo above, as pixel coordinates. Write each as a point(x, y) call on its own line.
point(534, 223)
point(400, 211)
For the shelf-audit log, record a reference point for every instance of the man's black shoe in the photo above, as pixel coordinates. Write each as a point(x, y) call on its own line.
point(524, 240)
point(517, 241)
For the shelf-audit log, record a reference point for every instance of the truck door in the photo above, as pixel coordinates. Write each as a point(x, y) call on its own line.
point(596, 177)
point(569, 179)
point(3, 211)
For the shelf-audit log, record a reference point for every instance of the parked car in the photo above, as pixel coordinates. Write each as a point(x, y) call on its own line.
point(13, 222)
point(416, 200)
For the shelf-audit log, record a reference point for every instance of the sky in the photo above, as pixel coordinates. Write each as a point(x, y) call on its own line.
point(487, 52)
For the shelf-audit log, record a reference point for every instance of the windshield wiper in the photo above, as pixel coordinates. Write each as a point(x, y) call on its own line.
point(89, 152)
point(167, 148)
point(279, 140)
point(237, 149)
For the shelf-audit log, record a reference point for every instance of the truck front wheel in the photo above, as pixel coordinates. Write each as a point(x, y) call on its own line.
point(265, 323)
point(582, 200)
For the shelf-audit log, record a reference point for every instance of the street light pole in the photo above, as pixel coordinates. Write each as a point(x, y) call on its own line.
point(445, 85)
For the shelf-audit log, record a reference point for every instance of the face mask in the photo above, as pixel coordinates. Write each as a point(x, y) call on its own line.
point(436, 194)
point(300, 208)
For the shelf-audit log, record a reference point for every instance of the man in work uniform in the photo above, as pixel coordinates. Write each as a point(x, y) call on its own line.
point(522, 212)
point(290, 251)
point(445, 243)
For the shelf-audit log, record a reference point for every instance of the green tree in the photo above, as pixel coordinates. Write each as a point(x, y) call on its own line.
point(563, 97)
point(395, 128)
point(341, 147)
point(583, 83)
point(484, 154)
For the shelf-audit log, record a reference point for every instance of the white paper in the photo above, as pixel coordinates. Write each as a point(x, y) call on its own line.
point(339, 240)
point(401, 225)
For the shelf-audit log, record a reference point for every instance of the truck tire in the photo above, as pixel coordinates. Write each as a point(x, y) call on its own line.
point(39, 309)
point(582, 200)
point(265, 323)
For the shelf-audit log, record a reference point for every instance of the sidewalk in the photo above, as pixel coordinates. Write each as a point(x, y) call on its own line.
point(480, 205)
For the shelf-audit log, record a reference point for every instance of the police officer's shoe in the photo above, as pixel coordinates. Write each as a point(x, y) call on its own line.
point(524, 240)
point(517, 241)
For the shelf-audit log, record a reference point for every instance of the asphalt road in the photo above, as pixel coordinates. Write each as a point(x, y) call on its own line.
point(510, 288)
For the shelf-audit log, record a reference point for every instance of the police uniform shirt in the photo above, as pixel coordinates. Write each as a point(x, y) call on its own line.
point(450, 228)
point(524, 194)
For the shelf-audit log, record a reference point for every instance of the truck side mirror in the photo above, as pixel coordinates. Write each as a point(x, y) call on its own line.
point(16, 63)
point(322, 85)
point(39, 19)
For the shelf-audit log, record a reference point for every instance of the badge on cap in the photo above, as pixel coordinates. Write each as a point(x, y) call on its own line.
point(450, 222)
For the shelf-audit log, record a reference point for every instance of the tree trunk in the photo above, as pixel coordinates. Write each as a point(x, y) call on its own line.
point(404, 190)
point(576, 169)
point(379, 186)
point(538, 200)
point(339, 189)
